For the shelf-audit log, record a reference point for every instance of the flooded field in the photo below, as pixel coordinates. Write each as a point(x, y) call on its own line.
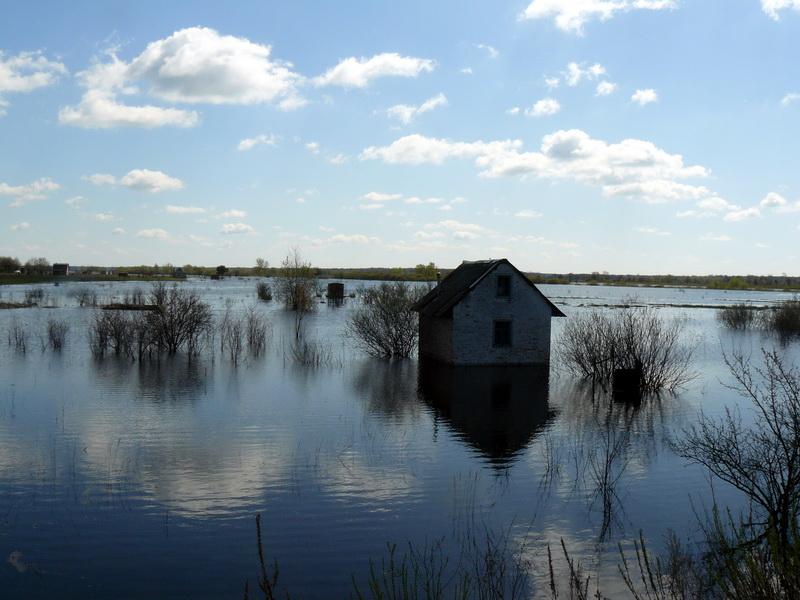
point(118, 477)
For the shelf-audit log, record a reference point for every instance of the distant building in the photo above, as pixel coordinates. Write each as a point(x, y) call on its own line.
point(486, 313)
point(60, 269)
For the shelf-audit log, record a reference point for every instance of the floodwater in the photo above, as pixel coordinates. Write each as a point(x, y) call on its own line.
point(123, 479)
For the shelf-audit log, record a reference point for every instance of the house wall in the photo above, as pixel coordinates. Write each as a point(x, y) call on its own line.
point(436, 338)
point(474, 316)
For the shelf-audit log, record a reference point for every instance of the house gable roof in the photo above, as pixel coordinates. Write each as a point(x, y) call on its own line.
point(453, 288)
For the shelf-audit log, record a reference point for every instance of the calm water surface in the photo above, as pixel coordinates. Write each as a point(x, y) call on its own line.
point(122, 479)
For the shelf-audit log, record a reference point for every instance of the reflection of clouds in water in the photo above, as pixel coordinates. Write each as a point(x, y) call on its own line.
point(348, 475)
point(389, 389)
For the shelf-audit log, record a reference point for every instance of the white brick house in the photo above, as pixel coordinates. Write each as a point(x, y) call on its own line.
point(486, 313)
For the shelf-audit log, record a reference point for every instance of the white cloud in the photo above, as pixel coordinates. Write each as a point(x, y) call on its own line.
point(139, 179)
point(652, 231)
point(250, 143)
point(552, 82)
point(466, 71)
point(743, 214)
point(338, 159)
point(576, 73)
point(514, 110)
point(457, 229)
point(22, 194)
point(644, 97)
point(543, 108)
point(605, 88)
point(183, 210)
point(405, 113)
point(153, 234)
point(631, 168)
point(118, 231)
point(312, 147)
point(75, 201)
point(192, 66)
point(232, 214)
point(103, 217)
point(355, 238)
point(790, 99)
point(773, 200)
point(25, 72)
point(773, 7)
point(234, 228)
point(492, 51)
point(380, 196)
point(527, 214)
point(572, 15)
point(21, 226)
point(715, 237)
point(359, 72)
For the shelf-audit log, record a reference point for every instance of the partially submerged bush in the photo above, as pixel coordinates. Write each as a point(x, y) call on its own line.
point(263, 291)
point(737, 316)
point(84, 296)
point(384, 325)
point(597, 344)
point(57, 333)
point(18, 337)
point(784, 319)
point(34, 296)
point(256, 331)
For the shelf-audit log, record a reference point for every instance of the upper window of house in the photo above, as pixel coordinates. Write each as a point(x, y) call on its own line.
point(503, 286)
point(502, 334)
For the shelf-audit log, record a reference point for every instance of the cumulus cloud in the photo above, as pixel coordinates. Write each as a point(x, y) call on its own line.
point(20, 226)
point(360, 72)
point(632, 168)
point(457, 229)
point(75, 201)
point(183, 210)
point(527, 214)
point(153, 234)
point(355, 238)
point(405, 113)
point(139, 179)
point(644, 97)
point(743, 214)
point(545, 107)
point(118, 231)
point(572, 15)
point(312, 147)
point(196, 65)
point(380, 197)
point(259, 140)
point(773, 200)
point(103, 217)
point(234, 228)
point(575, 73)
point(25, 72)
point(605, 88)
point(790, 99)
point(338, 159)
point(773, 7)
point(23, 194)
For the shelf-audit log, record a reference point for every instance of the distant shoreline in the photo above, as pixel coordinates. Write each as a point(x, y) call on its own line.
point(752, 283)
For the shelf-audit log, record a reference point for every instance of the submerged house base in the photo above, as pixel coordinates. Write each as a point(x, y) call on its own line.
point(486, 313)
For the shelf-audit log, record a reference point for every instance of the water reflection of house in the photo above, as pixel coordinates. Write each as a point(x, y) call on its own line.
point(498, 410)
point(486, 313)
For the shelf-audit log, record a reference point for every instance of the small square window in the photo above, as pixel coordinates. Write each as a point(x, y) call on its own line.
point(503, 286)
point(502, 334)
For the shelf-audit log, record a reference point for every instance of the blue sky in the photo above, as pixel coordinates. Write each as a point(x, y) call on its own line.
point(639, 136)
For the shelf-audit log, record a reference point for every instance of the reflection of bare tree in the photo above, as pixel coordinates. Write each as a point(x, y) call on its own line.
point(496, 410)
point(389, 389)
point(177, 378)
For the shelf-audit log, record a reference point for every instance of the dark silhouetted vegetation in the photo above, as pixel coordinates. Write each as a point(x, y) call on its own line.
point(384, 325)
point(737, 316)
point(596, 344)
point(263, 291)
point(57, 333)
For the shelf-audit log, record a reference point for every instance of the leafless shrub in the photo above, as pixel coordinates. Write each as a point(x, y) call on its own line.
point(784, 319)
point(34, 296)
point(180, 321)
point(84, 296)
point(596, 344)
point(232, 333)
point(296, 287)
point(111, 331)
point(264, 291)
point(18, 337)
point(256, 331)
point(312, 353)
point(57, 333)
point(384, 325)
point(737, 316)
point(135, 297)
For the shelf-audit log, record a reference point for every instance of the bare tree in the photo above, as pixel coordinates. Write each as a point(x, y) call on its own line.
point(763, 461)
point(295, 286)
point(180, 319)
point(384, 325)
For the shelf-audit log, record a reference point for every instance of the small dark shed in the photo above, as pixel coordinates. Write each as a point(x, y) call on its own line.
point(335, 291)
point(60, 269)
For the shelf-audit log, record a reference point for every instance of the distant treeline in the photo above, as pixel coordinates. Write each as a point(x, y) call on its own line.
point(720, 282)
